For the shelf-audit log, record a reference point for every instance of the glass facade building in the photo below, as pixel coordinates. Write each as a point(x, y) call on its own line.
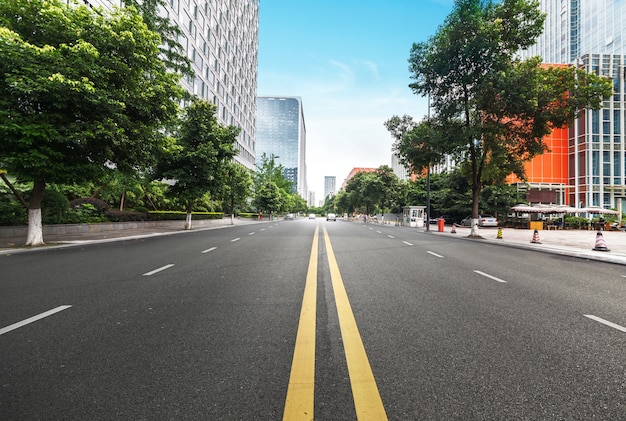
point(280, 131)
point(330, 186)
point(589, 34)
point(220, 37)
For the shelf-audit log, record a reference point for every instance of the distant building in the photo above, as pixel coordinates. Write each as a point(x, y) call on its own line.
point(281, 132)
point(354, 172)
point(330, 186)
point(220, 37)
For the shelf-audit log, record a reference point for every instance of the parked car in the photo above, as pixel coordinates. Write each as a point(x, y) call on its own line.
point(483, 221)
point(289, 216)
point(331, 217)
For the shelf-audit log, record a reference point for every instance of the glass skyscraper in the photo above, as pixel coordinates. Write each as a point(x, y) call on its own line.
point(281, 132)
point(220, 37)
point(590, 34)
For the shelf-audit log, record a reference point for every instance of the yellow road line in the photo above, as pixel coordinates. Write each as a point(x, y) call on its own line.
point(301, 389)
point(367, 401)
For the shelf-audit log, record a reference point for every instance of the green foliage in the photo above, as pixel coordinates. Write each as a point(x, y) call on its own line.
point(197, 162)
point(272, 191)
point(55, 207)
point(492, 111)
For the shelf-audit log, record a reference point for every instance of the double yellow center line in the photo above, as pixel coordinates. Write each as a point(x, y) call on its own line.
point(299, 404)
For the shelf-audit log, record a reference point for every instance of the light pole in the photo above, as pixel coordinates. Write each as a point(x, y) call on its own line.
point(428, 180)
point(272, 158)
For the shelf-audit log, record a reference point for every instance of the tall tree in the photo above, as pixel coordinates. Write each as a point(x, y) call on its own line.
point(199, 160)
point(80, 91)
point(154, 17)
point(492, 109)
point(237, 187)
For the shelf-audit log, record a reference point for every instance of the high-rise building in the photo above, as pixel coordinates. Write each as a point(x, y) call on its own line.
point(220, 37)
point(574, 28)
point(281, 132)
point(330, 186)
point(588, 34)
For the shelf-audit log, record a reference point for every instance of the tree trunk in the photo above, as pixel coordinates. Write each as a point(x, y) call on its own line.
point(35, 226)
point(474, 222)
point(188, 217)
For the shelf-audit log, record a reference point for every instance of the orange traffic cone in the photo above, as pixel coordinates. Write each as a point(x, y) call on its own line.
point(453, 231)
point(600, 243)
point(535, 239)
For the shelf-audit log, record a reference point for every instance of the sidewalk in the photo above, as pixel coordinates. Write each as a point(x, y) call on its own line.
point(15, 242)
point(575, 243)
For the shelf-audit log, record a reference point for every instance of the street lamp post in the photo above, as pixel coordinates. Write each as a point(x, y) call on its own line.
point(272, 158)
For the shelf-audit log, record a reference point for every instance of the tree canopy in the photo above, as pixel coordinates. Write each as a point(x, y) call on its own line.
point(81, 91)
point(492, 110)
point(198, 161)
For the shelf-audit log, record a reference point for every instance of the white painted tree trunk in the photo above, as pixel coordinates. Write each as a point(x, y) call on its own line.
point(474, 231)
point(35, 228)
point(188, 221)
point(232, 219)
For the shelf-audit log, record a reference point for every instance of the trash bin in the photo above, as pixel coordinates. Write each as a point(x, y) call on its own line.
point(440, 223)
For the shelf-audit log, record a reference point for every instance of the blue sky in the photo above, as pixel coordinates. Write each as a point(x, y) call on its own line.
point(347, 60)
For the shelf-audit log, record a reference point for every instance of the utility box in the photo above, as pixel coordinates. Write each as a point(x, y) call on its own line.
point(440, 224)
point(413, 216)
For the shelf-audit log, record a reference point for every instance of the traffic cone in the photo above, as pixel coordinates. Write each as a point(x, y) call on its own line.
point(600, 243)
point(499, 236)
point(535, 239)
point(453, 229)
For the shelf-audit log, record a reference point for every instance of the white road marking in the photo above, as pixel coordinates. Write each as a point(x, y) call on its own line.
point(490, 276)
point(208, 250)
point(407, 243)
point(252, 233)
point(235, 239)
point(390, 236)
point(152, 272)
point(32, 319)
point(378, 232)
point(606, 322)
point(262, 229)
point(434, 254)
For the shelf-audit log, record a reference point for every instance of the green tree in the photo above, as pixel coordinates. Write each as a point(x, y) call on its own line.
point(237, 187)
point(492, 109)
point(81, 91)
point(171, 49)
point(198, 162)
point(271, 188)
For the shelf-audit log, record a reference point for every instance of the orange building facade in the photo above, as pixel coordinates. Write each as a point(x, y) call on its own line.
point(547, 174)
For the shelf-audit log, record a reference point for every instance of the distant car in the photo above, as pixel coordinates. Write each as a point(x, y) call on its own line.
point(331, 217)
point(483, 221)
point(289, 216)
point(311, 216)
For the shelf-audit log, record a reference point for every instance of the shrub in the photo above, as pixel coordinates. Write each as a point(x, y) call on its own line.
point(12, 213)
point(54, 207)
point(99, 205)
point(125, 216)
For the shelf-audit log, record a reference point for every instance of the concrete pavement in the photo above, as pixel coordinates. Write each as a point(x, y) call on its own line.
point(575, 243)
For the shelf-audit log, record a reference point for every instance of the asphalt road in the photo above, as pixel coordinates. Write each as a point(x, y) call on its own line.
point(205, 326)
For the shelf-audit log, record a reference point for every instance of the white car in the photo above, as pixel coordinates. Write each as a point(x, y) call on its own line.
point(483, 221)
point(331, 217)
point(311, 216)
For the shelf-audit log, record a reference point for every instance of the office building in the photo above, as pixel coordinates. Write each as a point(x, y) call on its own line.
point(588, 34)
point(220, 37)
point(281, 132)
point(330, 186)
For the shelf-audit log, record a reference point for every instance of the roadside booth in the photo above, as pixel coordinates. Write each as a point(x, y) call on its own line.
point(413, 216)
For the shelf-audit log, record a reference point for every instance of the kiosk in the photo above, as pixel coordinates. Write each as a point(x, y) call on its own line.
point(413, 216)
